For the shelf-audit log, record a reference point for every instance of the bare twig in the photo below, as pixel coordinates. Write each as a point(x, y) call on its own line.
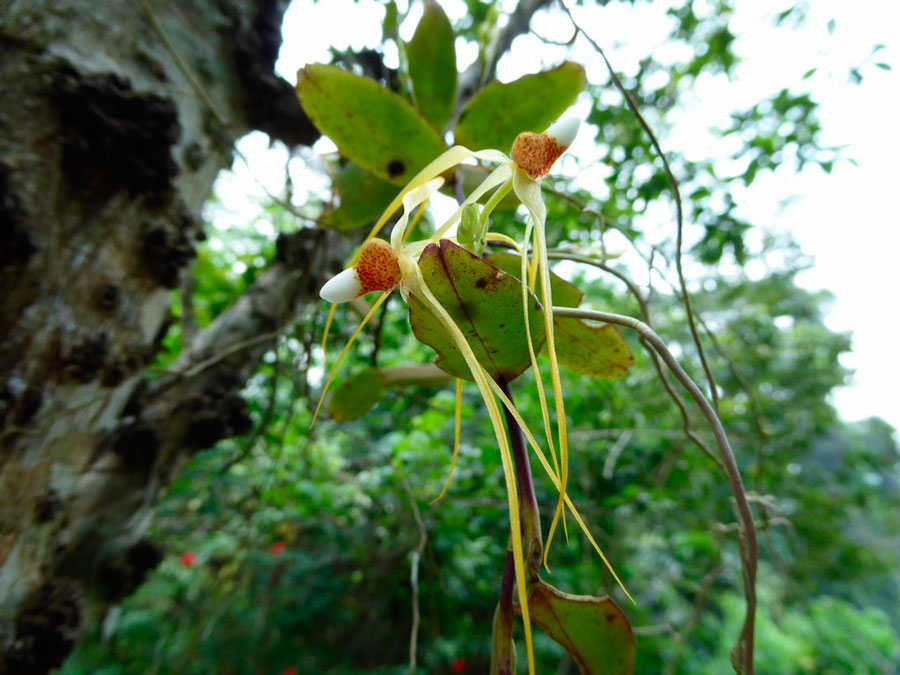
point(697, 609)
point(415, 557)
point(610, 464)
point(742, 654)
point(673, 184)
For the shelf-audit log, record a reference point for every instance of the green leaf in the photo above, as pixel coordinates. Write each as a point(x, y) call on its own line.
point(359, 393)
point(356, 395)
point(363, 198)
point(564, 293)
point(589, 349)
point(370, 125)
point(486, 304)
point(497, 114)
point(432, 65)
point(594, 631)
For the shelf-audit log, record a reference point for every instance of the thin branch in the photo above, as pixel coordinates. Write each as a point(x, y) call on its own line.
point(673, 184)
point(609, 466)
point(479, 74)
point(198, 368)
point(415, 557)
point(742, 654)
point(697, 609)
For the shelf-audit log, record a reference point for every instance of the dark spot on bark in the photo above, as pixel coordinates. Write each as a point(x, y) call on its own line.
point(193, 156)
point(82, 361)
point(16, 248)
point(120, 577)
point(27, 404)
point(136, 402)
point(164, 251)
point(150, 352)
point(481, 283)
point(217, 412)
point(298, 249)
point(395, 168)
point(6, 403)
point(114, 138)
point(107, 296)
point(47, 627)
point(137, 445)
point(152, 64)
point(270, 103)
point(113, 374)
point(47, 506)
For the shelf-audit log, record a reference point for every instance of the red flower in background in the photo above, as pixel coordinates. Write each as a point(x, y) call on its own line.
point(277, 549)
point(458, 665)
point(188, 558)
point(290, 670)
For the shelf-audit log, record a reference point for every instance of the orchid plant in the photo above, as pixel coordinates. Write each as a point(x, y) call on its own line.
point(382, 266)
point(399, 140)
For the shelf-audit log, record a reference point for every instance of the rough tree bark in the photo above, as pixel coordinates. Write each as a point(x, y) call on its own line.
point(115, 118)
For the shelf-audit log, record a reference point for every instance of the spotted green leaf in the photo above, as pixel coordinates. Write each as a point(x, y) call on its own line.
point(486, 304)
point(495, 116)
point(370, 125)
point(432, 65)
point(594, 631)
point(564, 293)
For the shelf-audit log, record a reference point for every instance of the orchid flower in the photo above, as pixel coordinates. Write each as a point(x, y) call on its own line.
point(383, 266)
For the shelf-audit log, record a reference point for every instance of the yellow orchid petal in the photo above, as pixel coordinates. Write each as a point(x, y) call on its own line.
point(410, 201)
point(334, 368)
point(457, 425)
point(529, 193)
point(496, 177)
point(483, 380)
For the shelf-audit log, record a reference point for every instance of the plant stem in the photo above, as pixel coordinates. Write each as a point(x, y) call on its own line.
point(503, 651)
point(528, 506)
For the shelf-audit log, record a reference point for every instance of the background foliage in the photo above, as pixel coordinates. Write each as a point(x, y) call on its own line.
point(291, 548)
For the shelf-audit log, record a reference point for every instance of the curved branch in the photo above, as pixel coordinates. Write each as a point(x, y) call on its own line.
point(742, 654)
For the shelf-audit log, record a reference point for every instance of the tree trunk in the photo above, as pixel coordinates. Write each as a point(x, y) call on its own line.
point(115, 118)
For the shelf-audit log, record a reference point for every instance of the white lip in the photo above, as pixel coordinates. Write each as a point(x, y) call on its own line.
point(342, 288)
point(564, 131)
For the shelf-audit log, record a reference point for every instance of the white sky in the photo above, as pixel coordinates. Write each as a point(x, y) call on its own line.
point(847, 221)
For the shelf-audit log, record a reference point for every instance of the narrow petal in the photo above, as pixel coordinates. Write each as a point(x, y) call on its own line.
point(496, 177)
point(410, 201)
point(342, 288)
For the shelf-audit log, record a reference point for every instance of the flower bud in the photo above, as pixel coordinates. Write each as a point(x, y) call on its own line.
point(536, 153)
point(378, 269)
